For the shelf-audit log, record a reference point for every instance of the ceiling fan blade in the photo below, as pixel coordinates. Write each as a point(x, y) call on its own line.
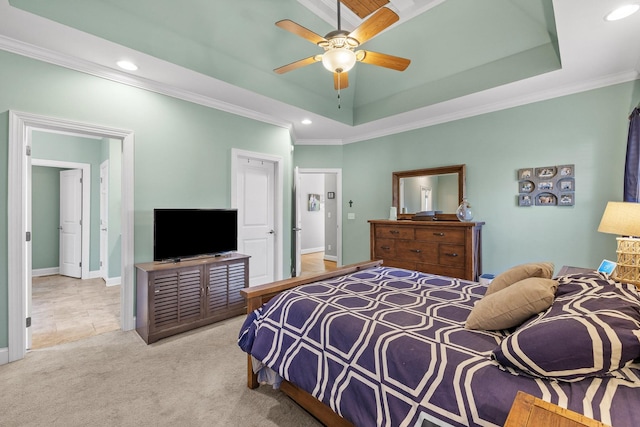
point(299, 30)
point(383, 60)
point(340, 80)
point(298, 64)
point(380, 20)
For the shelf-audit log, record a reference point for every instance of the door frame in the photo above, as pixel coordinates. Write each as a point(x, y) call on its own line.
point(104, 242)
point(86, 200)
point(236, 155)
point(298, 201)
point(21, 125)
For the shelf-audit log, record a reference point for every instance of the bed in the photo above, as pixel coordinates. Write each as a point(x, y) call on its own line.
point(371, 345)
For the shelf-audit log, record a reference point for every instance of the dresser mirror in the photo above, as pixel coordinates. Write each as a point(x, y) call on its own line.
point(432, 189)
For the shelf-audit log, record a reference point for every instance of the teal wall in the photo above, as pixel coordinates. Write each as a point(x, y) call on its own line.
point(182, 150)
point(45, 217)
point(587, 129)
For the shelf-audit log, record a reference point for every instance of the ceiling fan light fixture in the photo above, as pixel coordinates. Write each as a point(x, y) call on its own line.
point(339, 60)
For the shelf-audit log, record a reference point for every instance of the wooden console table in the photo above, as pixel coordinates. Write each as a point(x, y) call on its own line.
point(175, 297)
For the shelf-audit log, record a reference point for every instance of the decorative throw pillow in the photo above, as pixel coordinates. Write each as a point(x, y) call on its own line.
point(583, 335)
point(512, 305)
point(518, 273)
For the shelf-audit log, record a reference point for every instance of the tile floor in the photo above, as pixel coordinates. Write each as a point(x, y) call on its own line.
point(67, 309)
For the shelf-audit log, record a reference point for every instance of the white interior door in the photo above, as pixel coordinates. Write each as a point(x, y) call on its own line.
point(104, 220)
point(255, 182)
point(70, 223)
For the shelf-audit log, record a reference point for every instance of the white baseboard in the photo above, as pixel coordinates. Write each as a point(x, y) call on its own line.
point(4, 356)
point(113, 281)
point(311, 250)
point(331, 258)
point(45, 271)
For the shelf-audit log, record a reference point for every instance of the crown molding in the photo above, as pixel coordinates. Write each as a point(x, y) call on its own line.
point(512, 102)
point(87, 67)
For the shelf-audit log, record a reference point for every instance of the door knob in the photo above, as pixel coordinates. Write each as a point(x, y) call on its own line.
point(272, 232)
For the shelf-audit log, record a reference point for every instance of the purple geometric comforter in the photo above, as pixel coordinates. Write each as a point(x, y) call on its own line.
point(388, 347)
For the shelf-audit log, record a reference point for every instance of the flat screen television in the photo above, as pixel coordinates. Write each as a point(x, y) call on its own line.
point(189, 233)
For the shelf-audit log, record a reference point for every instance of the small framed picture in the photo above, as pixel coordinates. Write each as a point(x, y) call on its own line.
point(527, 186)
point(314, 202)
point(525, 200)
point(566, 170)
point(566, 199)
point(546, 199)
point(525, 173)
point(331, 195)
point(566, 184)
point(545, 185)
point(546, 172)
point(607, 267)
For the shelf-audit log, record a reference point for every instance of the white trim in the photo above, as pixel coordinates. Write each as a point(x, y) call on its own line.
point(113, 281)
point(51, 271)
point(236, 154)
point(311, 250)
point(20, 126)
point(331, 258)
point(338, 173)
point(91, 68)
point(4, 356)
point(86, 203)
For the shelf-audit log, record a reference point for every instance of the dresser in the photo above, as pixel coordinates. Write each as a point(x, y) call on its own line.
point(447, 248)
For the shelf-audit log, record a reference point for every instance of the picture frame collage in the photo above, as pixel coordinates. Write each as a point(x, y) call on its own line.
point(547, 186)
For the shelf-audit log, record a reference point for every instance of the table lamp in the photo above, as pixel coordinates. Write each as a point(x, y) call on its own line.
point(623, 219)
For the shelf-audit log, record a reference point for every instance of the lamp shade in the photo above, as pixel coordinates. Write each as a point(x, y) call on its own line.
point(339, 60)
point(622, 218)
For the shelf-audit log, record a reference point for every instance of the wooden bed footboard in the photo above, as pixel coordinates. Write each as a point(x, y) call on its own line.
point(257, 296)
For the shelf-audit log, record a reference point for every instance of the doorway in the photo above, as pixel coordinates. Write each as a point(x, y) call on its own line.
point(314, 252)
point(21, 127)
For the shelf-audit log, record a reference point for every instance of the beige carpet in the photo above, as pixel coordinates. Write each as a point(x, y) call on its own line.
point(194, 379)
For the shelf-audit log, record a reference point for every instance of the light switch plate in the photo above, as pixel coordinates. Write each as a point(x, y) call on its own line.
point(351, 215)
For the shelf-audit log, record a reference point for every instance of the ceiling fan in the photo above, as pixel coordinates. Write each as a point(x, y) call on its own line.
point(340, 54)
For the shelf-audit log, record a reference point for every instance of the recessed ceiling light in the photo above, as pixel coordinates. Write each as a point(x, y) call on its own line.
point(306, 122)
point(127, 65)
point(622, 12)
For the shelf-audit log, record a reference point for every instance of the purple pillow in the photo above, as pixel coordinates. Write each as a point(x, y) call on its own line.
point(584, 334)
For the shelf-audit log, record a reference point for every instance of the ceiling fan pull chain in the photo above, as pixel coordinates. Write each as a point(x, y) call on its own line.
point(339, 85)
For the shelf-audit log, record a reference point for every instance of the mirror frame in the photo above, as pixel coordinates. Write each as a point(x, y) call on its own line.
point(395, 187)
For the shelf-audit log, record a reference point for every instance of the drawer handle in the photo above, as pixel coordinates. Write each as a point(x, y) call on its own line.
point(453, 254)
point(394, 231)
point(386, 248)
point(438, 234)
point(415, 250)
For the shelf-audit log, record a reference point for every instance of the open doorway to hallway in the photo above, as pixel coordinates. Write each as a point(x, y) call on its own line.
point(75, 252)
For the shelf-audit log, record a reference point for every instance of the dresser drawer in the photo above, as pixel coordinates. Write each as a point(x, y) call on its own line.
point(451, 255)
point(433, 234)
point(413, 250)
point(392, 232)
point(441, 270)
point(407, 265)
point(385, 248)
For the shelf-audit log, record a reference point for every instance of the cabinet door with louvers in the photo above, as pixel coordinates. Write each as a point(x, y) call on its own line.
point(176, 298)
point(224, 285)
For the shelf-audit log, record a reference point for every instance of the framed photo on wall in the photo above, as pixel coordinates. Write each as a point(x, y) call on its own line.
point(314, 202)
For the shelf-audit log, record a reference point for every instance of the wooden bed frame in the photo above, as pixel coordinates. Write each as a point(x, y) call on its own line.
point(258, 295)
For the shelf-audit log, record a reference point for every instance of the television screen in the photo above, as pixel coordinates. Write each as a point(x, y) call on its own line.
point(186, 233)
